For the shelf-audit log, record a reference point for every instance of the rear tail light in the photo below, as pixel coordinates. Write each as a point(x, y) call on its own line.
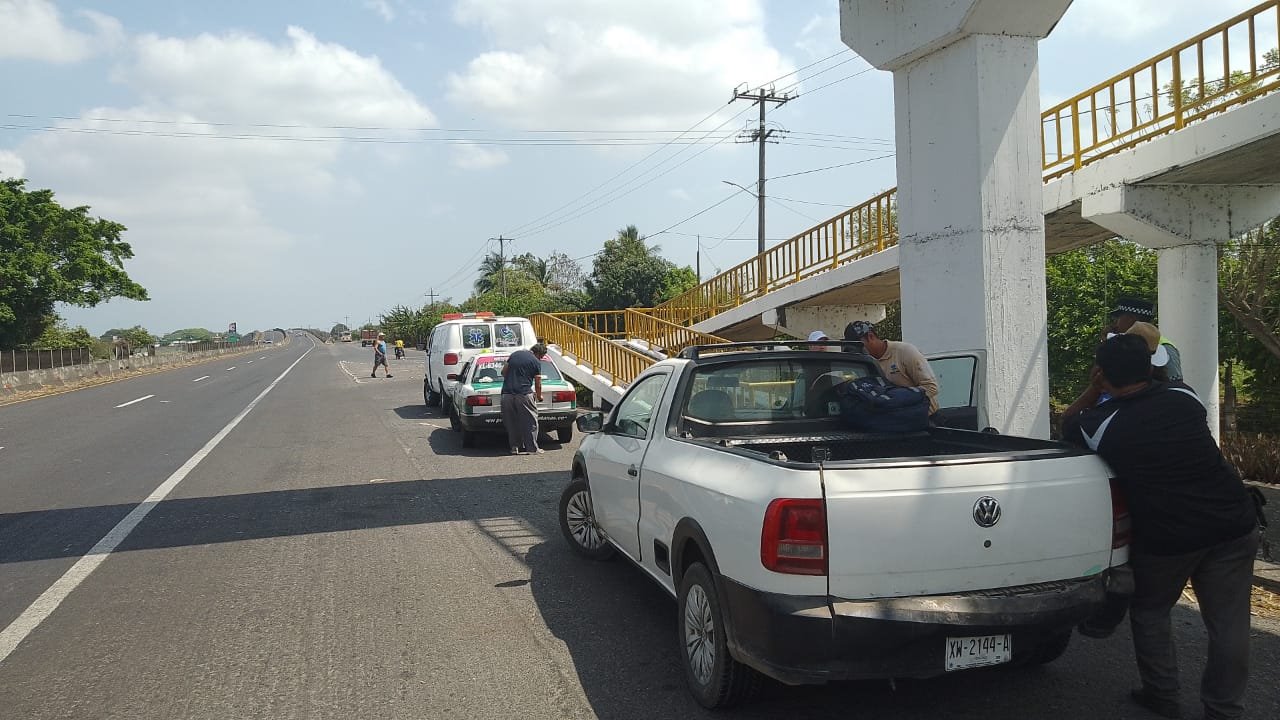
point(794, 538)
point(474, 400)
point(451, 358)
point(564, 396)
point(1121, 523)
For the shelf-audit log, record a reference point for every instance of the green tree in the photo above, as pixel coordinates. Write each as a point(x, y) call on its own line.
point(338, 329)
point(50, 254)
point(187, 335)
point(677, 280)
point(137, 336)
point(491, 268)
point(60, 336)
point(1083, 286)
point(627, 273)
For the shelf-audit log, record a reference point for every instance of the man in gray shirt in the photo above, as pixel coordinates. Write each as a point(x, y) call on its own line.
point(521, 391)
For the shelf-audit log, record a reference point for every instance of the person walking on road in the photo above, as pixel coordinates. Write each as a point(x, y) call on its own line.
point(1193, 519)
point(521, 391)
point(380, 356)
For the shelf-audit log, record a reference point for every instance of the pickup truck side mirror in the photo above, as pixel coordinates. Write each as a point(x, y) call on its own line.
point(590, 422)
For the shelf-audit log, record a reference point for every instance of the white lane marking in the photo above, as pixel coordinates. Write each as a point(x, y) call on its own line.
point(202, 377)
point(250, 362)
point(144, 397)
point(164, 401)
point(233, 367)
point(50, 599)
point(264, 357)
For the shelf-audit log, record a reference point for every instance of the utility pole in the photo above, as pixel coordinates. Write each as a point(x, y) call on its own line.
point(502, 260)
point(431, 295)
point(760, 135)
point(698, 260)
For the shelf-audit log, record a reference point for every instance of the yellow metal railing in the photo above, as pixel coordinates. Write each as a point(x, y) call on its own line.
point(606, 323)
point(854, 233)
point(664, 336)
point(1189, 82)
point(1202, 76)
point(599, 354)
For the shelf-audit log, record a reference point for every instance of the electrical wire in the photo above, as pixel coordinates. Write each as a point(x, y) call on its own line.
point(830, 167)
point(700, 212)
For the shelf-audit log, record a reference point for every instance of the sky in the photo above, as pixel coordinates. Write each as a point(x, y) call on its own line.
point(297, 163)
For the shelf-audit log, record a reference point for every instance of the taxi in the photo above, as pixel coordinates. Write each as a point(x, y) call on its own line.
point(475, 404)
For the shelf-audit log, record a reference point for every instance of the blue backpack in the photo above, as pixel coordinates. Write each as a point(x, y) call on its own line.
point(872, 405)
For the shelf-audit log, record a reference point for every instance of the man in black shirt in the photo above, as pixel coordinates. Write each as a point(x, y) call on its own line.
point(521, 387)
point(1192, 520)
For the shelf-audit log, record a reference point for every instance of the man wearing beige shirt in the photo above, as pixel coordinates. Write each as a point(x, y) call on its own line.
point(901, 362)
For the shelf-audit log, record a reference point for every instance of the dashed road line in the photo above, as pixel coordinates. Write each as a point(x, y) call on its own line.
point(144, 397)
point(249, 363)
point(50, 599)
point(233, 367)
point(202, 377)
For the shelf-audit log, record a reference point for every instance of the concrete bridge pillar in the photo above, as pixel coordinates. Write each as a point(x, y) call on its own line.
point(1185, 223)
point(970, 197)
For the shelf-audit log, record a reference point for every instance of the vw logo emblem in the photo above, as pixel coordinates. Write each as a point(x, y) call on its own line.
point(986, 511)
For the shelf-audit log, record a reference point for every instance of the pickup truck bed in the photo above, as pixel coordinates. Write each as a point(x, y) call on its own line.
point(930, 445)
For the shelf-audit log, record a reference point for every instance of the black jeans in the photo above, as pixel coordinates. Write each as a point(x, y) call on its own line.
point(1222, 576)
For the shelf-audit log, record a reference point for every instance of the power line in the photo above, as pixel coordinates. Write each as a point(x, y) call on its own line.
point(617, 193)
point(626, 170)
point(700, 212)
point(831, 167)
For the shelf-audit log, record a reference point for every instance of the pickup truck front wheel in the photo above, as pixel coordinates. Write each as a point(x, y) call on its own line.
point(715, 678)
point(578, 522)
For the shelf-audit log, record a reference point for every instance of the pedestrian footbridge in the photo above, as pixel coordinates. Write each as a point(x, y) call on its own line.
point(1178, 140)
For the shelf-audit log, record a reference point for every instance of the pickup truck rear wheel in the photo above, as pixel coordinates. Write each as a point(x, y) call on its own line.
point(1051, 649)
point(715, 678)
point(578, 522)
point(430, 395)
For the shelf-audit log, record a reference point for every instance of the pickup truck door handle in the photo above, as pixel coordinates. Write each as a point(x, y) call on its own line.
point(632, 471)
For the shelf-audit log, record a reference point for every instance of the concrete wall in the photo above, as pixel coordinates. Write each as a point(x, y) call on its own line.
point(12, 383)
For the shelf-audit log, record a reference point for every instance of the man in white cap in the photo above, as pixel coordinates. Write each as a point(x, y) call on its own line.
point(820, 336)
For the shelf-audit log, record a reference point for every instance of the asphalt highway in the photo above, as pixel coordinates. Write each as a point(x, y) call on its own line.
point(290, 538)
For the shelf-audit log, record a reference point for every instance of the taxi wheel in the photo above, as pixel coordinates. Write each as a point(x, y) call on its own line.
point(564, 434)
point(453, 420)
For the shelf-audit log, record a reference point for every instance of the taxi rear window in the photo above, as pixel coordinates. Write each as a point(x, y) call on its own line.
point(475, 337)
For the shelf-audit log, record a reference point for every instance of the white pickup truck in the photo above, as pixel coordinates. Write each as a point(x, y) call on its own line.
point(807, 553)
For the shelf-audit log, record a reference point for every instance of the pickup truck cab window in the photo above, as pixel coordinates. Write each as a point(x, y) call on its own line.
point(793, 388)
point(635, 413)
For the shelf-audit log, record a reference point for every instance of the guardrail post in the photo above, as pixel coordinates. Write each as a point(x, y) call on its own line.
point(1177, 89)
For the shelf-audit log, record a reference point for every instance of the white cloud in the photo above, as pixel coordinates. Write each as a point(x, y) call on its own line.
point(478, 157)
point(1132, 19)
point(679, 194)
point(240, 77)
point(820, 36)
point(655, 65)
point(217, 207)
point(33, 30)
point(11, 166)
point(382, 8)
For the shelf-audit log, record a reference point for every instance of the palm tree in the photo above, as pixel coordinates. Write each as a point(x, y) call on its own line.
point(535, 267)
point(490, 267)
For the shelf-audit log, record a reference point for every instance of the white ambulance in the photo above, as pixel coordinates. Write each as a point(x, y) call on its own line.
point(460, 337)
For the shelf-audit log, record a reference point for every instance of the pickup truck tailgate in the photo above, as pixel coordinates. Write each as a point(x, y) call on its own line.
point(909, 528)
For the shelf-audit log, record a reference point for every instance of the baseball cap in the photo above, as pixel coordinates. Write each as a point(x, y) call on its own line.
point(858, 329)
point(1134, 306)
point(817, 335)
point(1151, 334)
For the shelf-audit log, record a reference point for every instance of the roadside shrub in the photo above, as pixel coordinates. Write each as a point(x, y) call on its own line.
point(1255, 455)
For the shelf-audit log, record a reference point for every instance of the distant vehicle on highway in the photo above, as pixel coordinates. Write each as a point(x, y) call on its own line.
point(368, 338)
point(345, 337)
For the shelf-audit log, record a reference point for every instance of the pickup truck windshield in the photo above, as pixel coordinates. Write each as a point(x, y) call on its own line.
point(789, 388)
